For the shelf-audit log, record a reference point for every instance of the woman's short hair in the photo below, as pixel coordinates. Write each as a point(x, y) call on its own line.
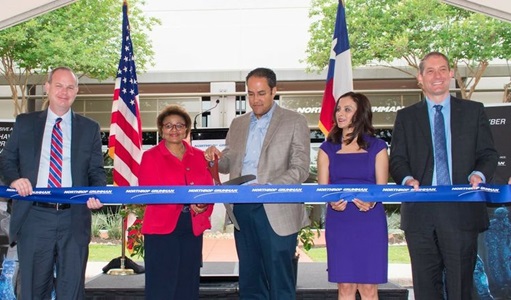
point(173, 110)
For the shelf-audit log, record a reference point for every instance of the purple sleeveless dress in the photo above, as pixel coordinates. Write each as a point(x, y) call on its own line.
point(357, 242)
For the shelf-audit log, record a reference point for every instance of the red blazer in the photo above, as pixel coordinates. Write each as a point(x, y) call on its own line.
point(160, 167)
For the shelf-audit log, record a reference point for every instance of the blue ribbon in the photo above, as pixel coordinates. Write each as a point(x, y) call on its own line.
point(496, 194)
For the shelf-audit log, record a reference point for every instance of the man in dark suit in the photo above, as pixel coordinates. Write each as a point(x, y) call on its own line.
point(442, 236)
point(53, 237)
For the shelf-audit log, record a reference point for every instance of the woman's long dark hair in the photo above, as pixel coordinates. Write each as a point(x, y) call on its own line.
point(362, 122)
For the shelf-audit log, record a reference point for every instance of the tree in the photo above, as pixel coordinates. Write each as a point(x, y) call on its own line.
point(383, 31)
point(85, 36)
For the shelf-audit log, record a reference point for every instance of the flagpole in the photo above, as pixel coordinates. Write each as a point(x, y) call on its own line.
point(122, 270)
point(129, 139)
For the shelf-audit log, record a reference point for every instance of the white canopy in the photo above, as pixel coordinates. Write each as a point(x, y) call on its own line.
point(17, 11)
point(500, 9)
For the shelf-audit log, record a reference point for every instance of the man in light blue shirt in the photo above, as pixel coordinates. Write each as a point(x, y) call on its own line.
point(272, 143)
point(442, 140)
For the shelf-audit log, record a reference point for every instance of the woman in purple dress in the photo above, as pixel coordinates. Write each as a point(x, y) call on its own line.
point(356, 231)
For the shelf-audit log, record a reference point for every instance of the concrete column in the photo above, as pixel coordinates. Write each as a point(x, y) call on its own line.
point(226, 109)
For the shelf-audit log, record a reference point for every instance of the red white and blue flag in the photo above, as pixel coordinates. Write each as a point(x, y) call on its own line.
point(340, 74)
point(125, 140)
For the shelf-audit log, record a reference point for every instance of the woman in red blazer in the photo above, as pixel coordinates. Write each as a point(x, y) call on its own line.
point(173, 232)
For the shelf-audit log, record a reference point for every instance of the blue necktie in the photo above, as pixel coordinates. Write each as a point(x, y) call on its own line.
point(442, 167)
point(57, 144)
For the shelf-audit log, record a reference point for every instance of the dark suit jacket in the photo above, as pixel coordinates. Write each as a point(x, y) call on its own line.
point(20, 159)
point(472, 150)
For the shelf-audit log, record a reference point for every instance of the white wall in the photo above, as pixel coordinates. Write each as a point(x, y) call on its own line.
point(229, 34)
point(6, 104)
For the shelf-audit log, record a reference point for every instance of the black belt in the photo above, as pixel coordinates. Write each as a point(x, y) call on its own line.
point(56, 206)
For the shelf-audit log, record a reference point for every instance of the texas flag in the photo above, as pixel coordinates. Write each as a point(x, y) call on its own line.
point(340, 74)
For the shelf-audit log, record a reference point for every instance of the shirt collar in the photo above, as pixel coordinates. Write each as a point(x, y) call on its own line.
point(445, 103)
point(66, 118)
point(265, 119)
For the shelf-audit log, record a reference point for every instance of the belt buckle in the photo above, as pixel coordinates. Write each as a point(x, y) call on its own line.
point(57, 206)
point(186, 208)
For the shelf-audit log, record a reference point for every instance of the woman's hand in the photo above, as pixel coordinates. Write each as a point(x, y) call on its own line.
point(339, 205)
point(363, 206)
point(199, 208)
point(211, 152)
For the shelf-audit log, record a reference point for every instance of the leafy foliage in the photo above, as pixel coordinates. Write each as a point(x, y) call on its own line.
point(307, 235)
point(85, 36)
point(107, 221)
point(383, 31)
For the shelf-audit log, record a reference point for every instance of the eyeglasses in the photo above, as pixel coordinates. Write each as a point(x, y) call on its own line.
point(178, 126)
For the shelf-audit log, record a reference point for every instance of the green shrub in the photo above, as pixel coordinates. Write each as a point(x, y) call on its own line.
point(98, 223)
point(108, 221)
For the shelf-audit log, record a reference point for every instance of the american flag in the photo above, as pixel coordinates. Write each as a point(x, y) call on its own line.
point(340, 75)
point(125, 141)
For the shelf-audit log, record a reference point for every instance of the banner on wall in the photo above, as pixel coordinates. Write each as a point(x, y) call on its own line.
point(499, 117)
point(492, 275)
point(5, 132)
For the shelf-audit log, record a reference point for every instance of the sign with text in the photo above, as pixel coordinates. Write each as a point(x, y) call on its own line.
point(5, 132)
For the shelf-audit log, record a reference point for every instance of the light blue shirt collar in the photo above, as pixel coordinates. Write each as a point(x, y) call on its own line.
point(265, 119)
point(256, 134)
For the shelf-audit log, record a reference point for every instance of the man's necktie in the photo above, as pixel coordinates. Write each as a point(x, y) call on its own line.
point(442, 166)
point(55, 176)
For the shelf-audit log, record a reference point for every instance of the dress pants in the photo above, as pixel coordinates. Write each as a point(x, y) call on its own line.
point(173, 262)
point(46, 246)
point(434, 251)
point(265, 258)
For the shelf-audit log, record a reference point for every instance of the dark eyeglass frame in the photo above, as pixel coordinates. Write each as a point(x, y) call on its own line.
point(178, 126)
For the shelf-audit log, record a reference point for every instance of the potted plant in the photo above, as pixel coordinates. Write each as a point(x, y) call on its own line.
point(103, 233)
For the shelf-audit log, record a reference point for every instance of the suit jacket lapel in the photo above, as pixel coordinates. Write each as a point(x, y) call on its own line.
point(272, 128)
point(238, 136)
point(38, 131)
point(422, 117)
point(456, 125)
point(75, 142)
point(456, 130)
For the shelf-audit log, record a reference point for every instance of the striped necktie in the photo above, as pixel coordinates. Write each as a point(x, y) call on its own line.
point(441, 163)
point(57, 144)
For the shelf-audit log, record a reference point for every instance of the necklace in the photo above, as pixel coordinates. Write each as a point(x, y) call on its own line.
point(180, 153)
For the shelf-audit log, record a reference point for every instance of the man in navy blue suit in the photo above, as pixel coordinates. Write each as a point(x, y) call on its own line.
point(53, 237)
point(442, 235)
